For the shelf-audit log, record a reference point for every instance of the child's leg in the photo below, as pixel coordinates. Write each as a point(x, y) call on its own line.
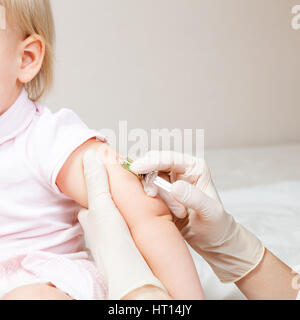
point(48, 292)
point(147, 293)
point(36, 292)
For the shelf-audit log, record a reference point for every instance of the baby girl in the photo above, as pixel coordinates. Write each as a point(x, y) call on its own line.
point(42, 185)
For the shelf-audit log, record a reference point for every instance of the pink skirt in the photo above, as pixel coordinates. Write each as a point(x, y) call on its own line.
point(74, 274)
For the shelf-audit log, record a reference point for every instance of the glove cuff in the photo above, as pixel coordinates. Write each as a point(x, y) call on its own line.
point(235, 257)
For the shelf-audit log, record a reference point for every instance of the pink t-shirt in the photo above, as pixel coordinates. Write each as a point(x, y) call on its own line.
point(34, 145)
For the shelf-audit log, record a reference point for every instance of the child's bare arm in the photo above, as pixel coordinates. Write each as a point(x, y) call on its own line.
point(148, 219)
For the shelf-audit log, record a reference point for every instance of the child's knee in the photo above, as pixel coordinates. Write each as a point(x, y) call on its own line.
point(36, 292)
point(148, 292)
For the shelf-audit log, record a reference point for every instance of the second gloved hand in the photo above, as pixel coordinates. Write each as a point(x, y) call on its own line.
point(116, 255)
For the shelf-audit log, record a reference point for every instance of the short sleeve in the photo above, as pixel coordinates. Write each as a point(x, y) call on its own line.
point(52, 139)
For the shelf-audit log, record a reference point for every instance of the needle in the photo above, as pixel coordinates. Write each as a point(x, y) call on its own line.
point(151, 177)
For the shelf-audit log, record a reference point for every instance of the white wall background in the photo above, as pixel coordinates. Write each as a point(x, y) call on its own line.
point(230, 67)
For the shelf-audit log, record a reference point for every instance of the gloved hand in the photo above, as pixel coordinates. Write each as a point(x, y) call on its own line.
point(109, 239)
point(231, 250)
point(180, 167)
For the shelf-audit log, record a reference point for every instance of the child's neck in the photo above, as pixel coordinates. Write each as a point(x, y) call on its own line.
point(9, 100)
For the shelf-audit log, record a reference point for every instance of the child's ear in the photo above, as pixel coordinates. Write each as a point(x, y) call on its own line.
point(31, 58)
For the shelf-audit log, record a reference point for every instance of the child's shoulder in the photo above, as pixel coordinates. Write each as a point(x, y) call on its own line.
point(46, 119)
point(53, 137)
point(55, 130)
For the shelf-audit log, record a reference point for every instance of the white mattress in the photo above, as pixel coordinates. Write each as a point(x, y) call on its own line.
point(260, 187)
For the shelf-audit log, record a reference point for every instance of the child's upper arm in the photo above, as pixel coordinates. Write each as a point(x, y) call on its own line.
point(126, 189)
point(70, 179)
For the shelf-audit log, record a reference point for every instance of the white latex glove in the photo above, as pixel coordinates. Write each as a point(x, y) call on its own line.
point(230, 249)
point(109, 239)
point(180, 167)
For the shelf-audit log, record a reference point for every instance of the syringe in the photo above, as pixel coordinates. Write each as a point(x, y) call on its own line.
point(151, 177)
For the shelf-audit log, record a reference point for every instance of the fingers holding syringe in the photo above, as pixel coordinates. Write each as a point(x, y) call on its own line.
point(165, 161)
point(177, 209)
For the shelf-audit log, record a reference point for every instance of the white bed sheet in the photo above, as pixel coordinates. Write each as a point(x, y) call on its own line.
point(260, 187)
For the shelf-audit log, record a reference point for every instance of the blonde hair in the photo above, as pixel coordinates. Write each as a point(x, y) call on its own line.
point(35, 17)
